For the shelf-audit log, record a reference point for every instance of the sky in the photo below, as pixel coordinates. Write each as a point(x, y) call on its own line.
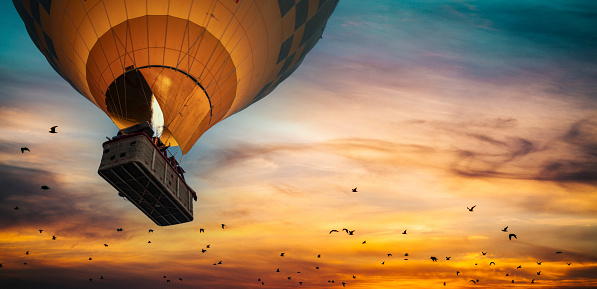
point(427, 107)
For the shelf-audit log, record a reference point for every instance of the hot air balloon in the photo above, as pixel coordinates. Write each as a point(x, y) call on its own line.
point(191, 63)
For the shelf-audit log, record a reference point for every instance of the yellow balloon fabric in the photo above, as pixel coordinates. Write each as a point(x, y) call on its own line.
point(203, 60)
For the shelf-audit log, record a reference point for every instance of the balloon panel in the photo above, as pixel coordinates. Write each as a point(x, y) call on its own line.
point(202, 60)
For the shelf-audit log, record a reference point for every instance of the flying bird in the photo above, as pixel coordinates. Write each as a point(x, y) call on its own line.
point(354, 190)
point(220, 262)
point(40, 231)
point(457, 272)
point(484, 253)
point(512, 235)
point(150, 230)
point(278, 270)
point(448, 258)
point(288, 277)
point(281, 254)
point(364, 242)
point(566, 263)
point(119, 230)
point(89, 258)
point(334, 231)
point(102, 277)
point(354, 277)
point(389, 255)
point(53, 237)
point(539, 263)
point(406, 254)
point(491, 263)
point(505, 229)
point(473, 281)
point(471, 208)
point(201, 230)
point(319, 256)
point(539, 273)
point(203, 250)
point(53, 129)
point(207, 246)
point(45, 188)
point(519, 267)
point(384, 262)
point(148, 242)
point(433, 259)
point(23, 149)
point(558, 252)
point(533, 281)
point(300, 283)
point(179, 278)
point(223, 225)
point(27, 253)
point(105, 245)
point(17, 207)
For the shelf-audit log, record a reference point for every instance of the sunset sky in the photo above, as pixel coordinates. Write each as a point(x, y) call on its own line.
point(427, 107)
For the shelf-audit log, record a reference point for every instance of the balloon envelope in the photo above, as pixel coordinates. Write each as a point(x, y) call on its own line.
point(202, 60)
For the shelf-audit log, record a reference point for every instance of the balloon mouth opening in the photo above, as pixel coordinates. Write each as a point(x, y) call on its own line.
point(130, 101)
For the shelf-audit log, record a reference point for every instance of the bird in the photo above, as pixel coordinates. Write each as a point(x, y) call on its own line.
point(457, 272)
point(539, 273)
point(345, 230)
point(317, 267)
point(404, 232)
point(448, 258)
point(17, 207)
point(90, 279)
point(179, 278)
point(53, 237)
point(319, 256)
point(351, 232)
point(207, 246)
point(281, 254)
point(484, 253)
point(343, 284)
point(491, 263)
point(288, 277)
point(406, 254)
point(334, 231)
point(89, 258)
point(45, 188)
point(223, 225)
point(119, 230)
point(27, 253)
point(507, 274)
point(471, 208)
point(558, 252)
point(150, 230)
point(354, 190)
point(539, 263)
point(433, 259)
point(105, 245)
point(384, 262)
point(354, 277)
point(533, 281)
point(568, 264)
point(389, 255)
point(25, 263)
point(201, 230)
point(102, 277)
point(53, 129)
point(278, 270)
point(148, 242)
point(164, 277)
point(203, 250)
point(40, 231)
point(473, 281)
point(519, 266)
point(512, 235)
point(220, 262)
point(301, 283)
point(23, 149)
point(512, 281)
point(167, 281)
point(505, 229)
point(364, 242)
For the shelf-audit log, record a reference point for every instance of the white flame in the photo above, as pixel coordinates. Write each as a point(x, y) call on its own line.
point(157, 117)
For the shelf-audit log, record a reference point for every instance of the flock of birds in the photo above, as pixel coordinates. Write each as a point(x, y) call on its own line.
point(346, 230)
